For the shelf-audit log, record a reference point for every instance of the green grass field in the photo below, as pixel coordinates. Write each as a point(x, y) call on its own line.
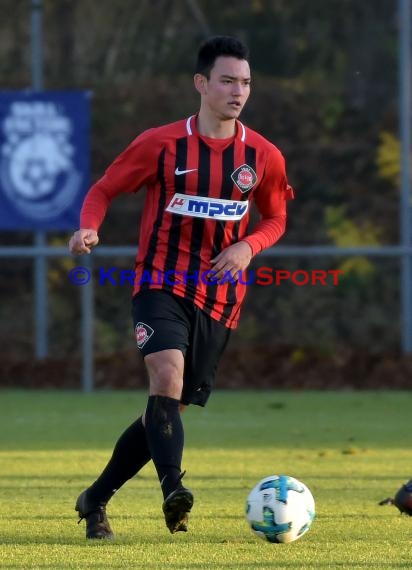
point(351, 449)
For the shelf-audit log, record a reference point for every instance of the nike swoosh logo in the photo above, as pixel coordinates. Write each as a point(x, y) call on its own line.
point(179, 172)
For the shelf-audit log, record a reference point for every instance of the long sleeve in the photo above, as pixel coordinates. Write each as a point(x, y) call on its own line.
point(271, 198)
point(134, 168)
point(95, 206)
point(266, 233)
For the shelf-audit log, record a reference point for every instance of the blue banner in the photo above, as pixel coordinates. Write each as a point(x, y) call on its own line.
point(44, 159)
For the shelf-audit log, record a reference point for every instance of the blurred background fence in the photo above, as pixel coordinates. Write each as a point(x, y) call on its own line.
point(331, 87)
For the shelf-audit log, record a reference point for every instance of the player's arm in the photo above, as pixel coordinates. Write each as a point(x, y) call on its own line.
point(95, 206)
point(271, 199)
point(133, 168)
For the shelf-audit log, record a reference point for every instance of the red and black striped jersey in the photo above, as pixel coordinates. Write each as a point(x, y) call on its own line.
point(199, 193)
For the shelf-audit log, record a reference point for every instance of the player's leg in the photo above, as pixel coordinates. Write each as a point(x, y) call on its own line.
point(130, 454)
point(165, 434)
point(164, 428)
point(207, 340)
point(163, 328)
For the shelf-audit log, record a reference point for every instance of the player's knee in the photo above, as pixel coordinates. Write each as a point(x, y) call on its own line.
point(166, 387)
point(166, 376)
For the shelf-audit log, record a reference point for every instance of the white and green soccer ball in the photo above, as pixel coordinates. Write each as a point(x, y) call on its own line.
point(280, 509)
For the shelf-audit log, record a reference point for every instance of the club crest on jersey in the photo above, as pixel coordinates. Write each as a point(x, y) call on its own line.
point(244, 177)
point(205, 207)
point(143, 332)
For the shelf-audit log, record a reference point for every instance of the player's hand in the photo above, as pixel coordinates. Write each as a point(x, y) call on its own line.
point(233, 259)
point(83, 241)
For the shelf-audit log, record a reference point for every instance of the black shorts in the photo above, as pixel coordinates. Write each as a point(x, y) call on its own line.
point(163, 321)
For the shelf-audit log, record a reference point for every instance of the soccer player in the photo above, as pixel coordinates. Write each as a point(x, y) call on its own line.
point(201, 174)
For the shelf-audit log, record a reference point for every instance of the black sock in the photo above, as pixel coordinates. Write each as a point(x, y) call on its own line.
point(164, 432)
point(130, 454)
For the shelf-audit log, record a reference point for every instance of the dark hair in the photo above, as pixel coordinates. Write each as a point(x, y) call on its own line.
point(218, 46)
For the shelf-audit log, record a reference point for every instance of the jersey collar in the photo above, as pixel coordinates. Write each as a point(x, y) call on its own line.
point(191, 128)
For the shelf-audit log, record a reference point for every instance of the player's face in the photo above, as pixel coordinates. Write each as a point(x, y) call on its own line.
point(227, 89)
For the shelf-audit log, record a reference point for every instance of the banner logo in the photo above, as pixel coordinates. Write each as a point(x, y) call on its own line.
point(37, 169)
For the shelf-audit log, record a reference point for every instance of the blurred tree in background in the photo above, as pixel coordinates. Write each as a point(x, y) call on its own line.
point(324, 91)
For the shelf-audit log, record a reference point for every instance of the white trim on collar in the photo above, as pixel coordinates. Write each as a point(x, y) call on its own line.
point(190, 132)
point(188, 127)
point(242, 138)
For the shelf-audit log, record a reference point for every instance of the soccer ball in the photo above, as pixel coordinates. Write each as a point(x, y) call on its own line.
point(280, 509)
